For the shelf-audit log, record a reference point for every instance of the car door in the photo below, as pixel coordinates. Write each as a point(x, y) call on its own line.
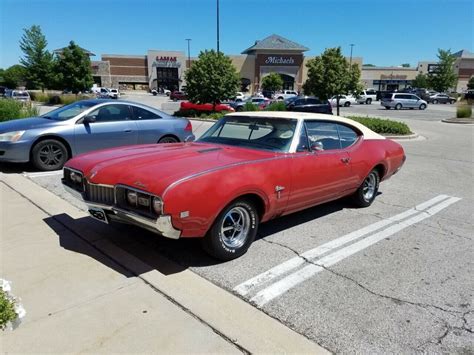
point(151, 127)
point(113, 127)
point(299, 105)
point(321, 169)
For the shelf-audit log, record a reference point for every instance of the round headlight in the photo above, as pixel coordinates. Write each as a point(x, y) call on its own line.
point(132, 197)
point(157, 205)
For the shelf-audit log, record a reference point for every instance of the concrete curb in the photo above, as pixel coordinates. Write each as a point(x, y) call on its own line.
point(458, 121)
point(246, 326)
point(406, 137)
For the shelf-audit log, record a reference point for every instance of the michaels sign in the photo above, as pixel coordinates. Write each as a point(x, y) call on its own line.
point(279, 60)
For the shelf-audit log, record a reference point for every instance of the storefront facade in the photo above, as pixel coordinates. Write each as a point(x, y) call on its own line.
point(161, 69)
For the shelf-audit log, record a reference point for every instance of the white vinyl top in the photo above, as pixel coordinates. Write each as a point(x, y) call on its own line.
point(368, 133)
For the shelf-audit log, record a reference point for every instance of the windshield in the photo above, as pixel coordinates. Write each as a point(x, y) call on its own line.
point(20, 94)
point(69, 111)
point(274, 134)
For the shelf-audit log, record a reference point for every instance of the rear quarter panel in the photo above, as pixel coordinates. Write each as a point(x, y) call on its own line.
point(206, 195)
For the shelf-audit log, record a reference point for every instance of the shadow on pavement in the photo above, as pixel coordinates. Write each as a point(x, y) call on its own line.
point(16, 168)
point(154, 252)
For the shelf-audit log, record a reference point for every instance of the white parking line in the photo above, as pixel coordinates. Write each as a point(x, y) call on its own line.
point(309, 271)
point(43, 173)
point(253, 283)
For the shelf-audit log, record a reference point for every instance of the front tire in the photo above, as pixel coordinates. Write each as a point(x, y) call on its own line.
point(435, 101)
point(369, 101)
point(233, 231)
point(366, 193)
point(398, 106)
point(49, 154)
point(347, 104)
point(422, 106)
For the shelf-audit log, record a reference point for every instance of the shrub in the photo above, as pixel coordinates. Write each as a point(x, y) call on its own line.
point(11, 109)
point(383, 126)
point(276, 106)
point(7, 310)
point(250, 107)
point(40, 96)
point(464, 111)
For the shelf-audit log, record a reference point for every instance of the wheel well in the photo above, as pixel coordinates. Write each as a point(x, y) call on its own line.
point(257, 201)
point(381, 170)
point(57, 138)
point(170, 135)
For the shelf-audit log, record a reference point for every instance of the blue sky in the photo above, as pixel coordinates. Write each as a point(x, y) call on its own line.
point(384, 32)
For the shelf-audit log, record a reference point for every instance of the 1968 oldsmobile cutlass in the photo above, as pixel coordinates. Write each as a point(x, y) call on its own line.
point(246, 169)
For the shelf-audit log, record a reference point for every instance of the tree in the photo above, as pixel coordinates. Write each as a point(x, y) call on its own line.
point(37, 61)
point(443, 77)
point(421, 81)
point(211, 78)
point(272, 82)
point(406, 65)
point(330, 74)
point(74, 69)
point(470, 84)
point(14, 76)
point(368, 65)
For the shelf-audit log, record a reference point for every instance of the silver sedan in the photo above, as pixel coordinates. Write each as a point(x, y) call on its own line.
point(48, 141)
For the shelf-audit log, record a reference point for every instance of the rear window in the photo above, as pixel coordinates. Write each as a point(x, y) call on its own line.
point(387, 96)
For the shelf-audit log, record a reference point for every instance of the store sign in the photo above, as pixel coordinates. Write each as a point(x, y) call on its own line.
point(392, 77)
point(279, 60)
point(166, 62)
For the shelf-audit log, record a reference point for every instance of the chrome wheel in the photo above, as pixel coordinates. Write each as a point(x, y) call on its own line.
point(369, 187)
point(235, 227)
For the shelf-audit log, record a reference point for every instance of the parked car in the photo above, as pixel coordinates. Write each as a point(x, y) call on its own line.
point(178, 95)
point(469, 95)
point(186, 105)
point(48, 141)
point(260, 102)
point(285, 94)
point(114, 93)
point(344, 100)
point(366, 96)
point(441, 99)
point(103, 93)
point(246, 169)
point(240, 97)
point(18, 95)
point(399, 101)
point(2, 91)
point(308, 104)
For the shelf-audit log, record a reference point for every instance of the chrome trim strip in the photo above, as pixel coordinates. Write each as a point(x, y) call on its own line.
point(100, 185)
point(75, 170)
point(192, 176)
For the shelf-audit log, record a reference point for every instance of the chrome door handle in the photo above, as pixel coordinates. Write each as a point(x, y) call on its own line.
point(346, 160)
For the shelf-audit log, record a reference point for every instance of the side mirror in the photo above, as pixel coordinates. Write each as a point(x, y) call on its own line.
point(89, 119)
point(317, 147)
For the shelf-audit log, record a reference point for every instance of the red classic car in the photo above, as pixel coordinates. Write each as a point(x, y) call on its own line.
point(246, 169)
point(186, 105)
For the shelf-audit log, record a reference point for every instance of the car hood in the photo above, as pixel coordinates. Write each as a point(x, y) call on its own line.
point(153, 167)
point(23, 124)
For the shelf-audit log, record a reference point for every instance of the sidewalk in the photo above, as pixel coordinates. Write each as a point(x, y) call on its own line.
point(82, 293)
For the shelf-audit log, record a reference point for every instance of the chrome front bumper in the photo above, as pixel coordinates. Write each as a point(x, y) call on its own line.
point(162, 225)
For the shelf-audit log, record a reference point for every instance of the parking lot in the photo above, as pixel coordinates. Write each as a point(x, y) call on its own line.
point(395, 277)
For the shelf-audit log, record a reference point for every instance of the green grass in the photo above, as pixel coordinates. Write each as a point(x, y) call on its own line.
point(383, 126)
point(464, 111)
point(7, 310)
point(55, 99)
point(11, 109)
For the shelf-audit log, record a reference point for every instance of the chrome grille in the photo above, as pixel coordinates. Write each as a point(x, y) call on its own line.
point(100, 194)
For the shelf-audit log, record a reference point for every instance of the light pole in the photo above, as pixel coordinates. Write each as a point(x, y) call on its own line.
point(350, 61)
point(189, 52)
point(217, 26)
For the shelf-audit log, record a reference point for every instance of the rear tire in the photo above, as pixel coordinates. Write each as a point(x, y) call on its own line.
point(422, 106)
point(366, 193)
point(387, 107)
point(369, 101)
point(435, 101)
point(398, 106)
point(452, 102)
point(347, 104)
point(49, 154)
point(233, 231)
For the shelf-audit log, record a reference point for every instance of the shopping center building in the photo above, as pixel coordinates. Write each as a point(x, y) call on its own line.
point(165, 69)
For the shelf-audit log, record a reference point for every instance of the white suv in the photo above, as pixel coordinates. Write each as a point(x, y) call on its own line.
point(285, 94)
point(367, 96)
point(114, 93)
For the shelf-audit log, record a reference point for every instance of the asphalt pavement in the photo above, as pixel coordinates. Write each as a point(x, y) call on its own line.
point(395, 277)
